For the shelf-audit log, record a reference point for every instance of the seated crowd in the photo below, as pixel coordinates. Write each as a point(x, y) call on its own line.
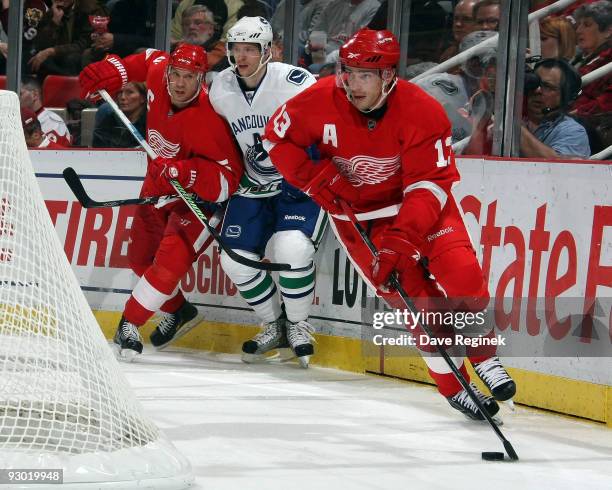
point(562, 116)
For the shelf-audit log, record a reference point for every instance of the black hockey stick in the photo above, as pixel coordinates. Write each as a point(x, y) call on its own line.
point(76, 186)
point(189, 201)
point(394, 281)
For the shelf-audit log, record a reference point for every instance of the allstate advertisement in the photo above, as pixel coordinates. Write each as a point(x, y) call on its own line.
point(542, 230)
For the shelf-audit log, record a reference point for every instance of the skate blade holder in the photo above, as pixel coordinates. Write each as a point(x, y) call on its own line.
point(124, 355)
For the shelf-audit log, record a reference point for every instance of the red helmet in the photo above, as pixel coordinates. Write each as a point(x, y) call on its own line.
point(371, 49)
point(189, 57)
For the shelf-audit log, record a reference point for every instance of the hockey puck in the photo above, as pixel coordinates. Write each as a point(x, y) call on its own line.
point(492, 456)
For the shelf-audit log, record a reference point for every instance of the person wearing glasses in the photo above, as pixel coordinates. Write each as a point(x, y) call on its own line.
point(548, 131)
point(486, 15)
point(463, 24)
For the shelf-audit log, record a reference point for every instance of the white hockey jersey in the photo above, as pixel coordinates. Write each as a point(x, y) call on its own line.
point(247, 114)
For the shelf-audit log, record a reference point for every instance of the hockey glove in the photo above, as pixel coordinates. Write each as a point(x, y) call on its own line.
point(328, 186)
point(164, 169)
point(109, 74)
point(395, 253)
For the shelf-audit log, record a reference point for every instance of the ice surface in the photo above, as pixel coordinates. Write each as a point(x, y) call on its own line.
point(276, 426)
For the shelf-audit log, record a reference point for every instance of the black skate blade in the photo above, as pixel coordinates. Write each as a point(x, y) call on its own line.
point(268, 357)
point(496, 419)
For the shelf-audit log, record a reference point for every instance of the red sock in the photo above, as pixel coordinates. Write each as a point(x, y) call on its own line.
point(174, 303)
point(447, 382)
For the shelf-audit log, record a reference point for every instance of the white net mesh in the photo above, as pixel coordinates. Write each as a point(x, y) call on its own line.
point(61, 390)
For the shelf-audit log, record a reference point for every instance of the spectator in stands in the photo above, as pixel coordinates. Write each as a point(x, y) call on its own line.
point(34, 136)
point(486, 15)
point(63, 34)
point(449, 90)
point(309, 14)
point(110, 132)
point(557, 38)
point(342, 18)
point(277, 48)
point(473, 69)
point(594, 33)
point(224, 12)
point(53, 126)
point(454, 91)
point(33, 12)
point(482, 94)
point(594, 105)
point(250, 8)
point(131, 27)
point(199, 28)
point(548, 131)
point(463, 24)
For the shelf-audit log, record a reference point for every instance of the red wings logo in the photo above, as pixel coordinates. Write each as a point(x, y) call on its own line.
point(364, 169)
point(162, 147)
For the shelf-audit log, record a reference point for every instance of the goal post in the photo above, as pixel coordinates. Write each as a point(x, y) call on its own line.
point(64, 402)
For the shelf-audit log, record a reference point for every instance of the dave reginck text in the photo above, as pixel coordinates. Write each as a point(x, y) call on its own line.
point(468, 328)
point(408, 340)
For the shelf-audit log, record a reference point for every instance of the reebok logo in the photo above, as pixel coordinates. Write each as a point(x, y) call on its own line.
point(438, 234)
point(295, 217)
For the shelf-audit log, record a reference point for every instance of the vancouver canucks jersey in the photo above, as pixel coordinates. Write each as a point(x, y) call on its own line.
point(247, 113)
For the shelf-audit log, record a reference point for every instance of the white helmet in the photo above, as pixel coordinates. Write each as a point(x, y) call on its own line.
point(255, 30)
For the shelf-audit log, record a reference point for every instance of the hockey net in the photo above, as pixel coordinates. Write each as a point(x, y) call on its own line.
point(64, 403)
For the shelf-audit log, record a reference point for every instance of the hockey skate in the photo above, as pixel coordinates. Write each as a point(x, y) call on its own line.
point(462, 402)
point(272, 337)
point(300, 339)
point(127, 341)
point(174, 325)
point(496, 379)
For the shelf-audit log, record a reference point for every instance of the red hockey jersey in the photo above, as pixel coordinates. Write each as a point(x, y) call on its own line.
point(195, 132)
point(400, 165)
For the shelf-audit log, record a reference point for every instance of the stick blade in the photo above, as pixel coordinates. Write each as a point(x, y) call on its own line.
point(510, 450)
point(74, 182)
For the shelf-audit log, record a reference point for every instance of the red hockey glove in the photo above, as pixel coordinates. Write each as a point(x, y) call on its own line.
point(328, 186)
point(164, 169)
point(109, 74)
point(395, 253)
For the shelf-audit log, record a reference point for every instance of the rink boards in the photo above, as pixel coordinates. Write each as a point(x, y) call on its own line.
point(541, 229)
